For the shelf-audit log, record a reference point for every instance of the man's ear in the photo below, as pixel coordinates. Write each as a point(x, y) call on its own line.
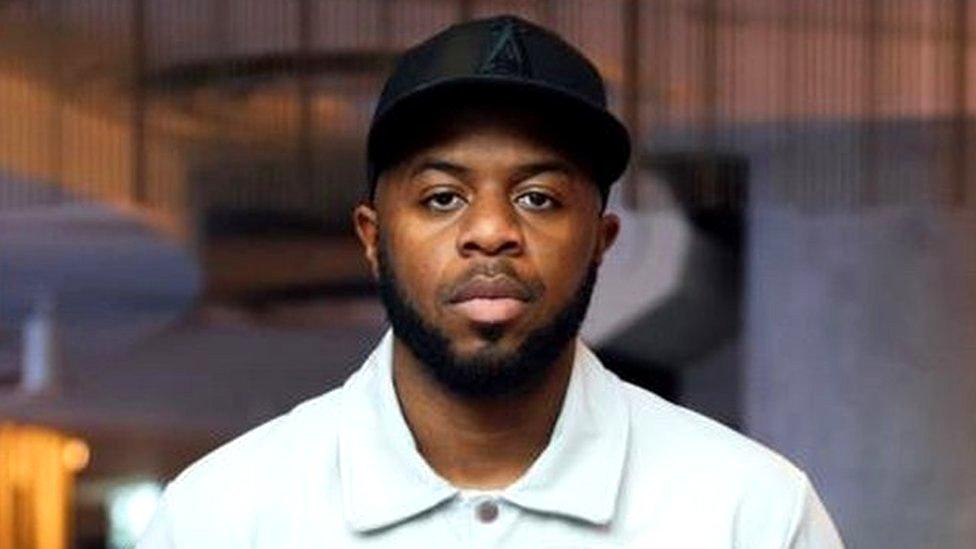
point(609, 228)
point(364, 219)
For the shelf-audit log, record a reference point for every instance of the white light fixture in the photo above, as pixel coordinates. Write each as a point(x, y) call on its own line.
point(130, 508)
point(41, 361)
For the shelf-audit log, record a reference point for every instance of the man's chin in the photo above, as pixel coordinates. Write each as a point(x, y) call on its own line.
point(482, 337)
point(476, 345)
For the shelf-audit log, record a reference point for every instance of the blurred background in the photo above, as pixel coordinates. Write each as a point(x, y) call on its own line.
point(177, 263)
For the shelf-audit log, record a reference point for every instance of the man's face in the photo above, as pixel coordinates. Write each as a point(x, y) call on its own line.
point(486, 244)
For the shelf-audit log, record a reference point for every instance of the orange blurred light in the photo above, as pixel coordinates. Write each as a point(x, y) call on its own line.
point(75, 454)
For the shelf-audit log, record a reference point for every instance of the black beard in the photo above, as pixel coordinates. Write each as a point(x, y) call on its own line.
point(489, 373)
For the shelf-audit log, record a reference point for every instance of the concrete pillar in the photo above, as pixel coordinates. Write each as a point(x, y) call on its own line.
point(860, 360)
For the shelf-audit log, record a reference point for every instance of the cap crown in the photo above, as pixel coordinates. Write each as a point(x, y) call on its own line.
point(502, 60)
point(504, 47)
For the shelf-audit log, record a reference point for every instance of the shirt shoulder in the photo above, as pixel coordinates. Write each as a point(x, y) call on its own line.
point(243, 480)
point(713, 477)
point(672, 432)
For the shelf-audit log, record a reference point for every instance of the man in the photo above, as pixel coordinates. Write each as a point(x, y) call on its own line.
point(481, 419)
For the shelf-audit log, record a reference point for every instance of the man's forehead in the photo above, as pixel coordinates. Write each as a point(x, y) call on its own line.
point(476, 159)
point(488, 136)
point(488, 145)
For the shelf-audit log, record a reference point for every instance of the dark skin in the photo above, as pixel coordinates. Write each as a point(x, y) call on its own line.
point(487, 192)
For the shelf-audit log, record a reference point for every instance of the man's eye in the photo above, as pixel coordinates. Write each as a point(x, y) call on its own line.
point(535, 200)
point(444, 201)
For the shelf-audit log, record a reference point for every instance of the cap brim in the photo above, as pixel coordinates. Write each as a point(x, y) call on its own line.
point(604, 136)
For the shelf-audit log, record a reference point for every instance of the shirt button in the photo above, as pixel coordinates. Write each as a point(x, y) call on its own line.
point(487, 511)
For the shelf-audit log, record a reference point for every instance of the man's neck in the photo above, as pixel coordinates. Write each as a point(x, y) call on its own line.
point(478, 443)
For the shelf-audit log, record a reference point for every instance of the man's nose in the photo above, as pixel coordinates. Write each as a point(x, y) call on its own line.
point(490, 226)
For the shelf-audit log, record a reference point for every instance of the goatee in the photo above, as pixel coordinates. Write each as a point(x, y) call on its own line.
point(490, 372)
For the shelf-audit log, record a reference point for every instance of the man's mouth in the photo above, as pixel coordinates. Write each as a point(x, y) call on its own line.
point(494, 310)
point(491, 300)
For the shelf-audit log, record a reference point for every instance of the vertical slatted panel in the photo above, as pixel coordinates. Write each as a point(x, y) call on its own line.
point(704, 68)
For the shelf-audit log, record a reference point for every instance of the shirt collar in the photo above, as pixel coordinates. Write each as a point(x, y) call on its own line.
point(385, 480)
point(579, 473)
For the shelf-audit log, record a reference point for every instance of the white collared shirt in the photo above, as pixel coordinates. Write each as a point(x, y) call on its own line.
point(623, 468)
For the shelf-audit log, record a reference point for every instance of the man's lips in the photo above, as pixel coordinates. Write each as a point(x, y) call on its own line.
point(490, 310)
point(491, 300)
point(498, 287)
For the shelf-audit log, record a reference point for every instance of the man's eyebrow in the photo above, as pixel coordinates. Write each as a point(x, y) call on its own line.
point(441, 165)
point(523, 171)
point(535, 168)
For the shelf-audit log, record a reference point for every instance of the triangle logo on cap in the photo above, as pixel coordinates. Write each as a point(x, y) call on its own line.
point(507, 54)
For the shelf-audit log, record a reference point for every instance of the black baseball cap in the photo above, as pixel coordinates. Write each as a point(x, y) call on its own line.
point(502, 58)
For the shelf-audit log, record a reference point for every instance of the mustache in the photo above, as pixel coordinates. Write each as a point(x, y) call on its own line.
point(499, 270)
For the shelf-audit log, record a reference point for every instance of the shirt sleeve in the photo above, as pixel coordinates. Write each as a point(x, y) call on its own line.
point(813, 528)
